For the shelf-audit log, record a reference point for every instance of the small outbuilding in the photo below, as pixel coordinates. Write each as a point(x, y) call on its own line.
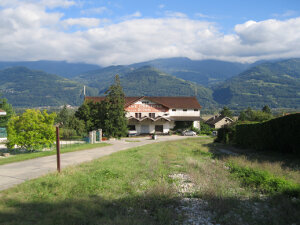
point(219, 121)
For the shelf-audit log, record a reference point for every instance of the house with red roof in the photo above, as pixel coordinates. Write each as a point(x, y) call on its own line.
point(158, 114)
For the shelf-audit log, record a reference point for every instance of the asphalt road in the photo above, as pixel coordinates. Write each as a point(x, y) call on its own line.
point(18, 172)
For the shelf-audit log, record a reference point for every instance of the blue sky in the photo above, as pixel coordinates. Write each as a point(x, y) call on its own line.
point(129, 31)
point(226, 13)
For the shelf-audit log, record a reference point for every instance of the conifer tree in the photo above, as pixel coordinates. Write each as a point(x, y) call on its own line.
point(115, 121)
point(226, 112)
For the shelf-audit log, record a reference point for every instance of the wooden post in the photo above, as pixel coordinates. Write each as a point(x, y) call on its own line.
point(57, 149)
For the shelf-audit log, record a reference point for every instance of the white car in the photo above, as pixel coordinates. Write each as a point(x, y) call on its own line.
point(189, 133)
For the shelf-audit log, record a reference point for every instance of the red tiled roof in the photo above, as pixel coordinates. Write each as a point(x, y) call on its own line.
point(169, 102)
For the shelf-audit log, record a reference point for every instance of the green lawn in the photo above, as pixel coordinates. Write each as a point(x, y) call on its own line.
point(31, 155)
point(135, 187)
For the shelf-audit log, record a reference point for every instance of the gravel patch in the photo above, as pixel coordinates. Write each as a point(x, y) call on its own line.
point(194, 210)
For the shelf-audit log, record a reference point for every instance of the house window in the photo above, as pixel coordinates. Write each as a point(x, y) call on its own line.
point(131, 127)
point(145, 102)
point(196, 110)
point(184, 110)
point(174, 110)
point(152, 115)
point(138, 115)
point(159, 128)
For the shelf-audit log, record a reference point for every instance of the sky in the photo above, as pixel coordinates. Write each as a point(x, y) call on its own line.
point(129, 31)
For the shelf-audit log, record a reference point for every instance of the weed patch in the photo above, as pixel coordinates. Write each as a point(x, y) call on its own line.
point(264, 181)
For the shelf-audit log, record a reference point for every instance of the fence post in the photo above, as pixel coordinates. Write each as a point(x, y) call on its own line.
point(57, 149)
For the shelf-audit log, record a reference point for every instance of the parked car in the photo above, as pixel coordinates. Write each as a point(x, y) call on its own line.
point(189, 133)
point(132, 133)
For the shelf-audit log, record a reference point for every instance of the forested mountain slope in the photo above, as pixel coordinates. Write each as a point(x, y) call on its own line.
point(61, 68)
point(275, 84)
point(148, 81)
point(25, 87)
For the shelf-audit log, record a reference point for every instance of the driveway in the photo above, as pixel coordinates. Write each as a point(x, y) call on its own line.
point(18, 172)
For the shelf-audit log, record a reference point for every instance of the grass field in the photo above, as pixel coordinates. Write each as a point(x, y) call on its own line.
point(156, 184)
point(19, 156)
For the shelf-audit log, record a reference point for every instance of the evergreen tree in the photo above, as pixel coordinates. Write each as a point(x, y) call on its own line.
point(115, 121)
point(266, 109)
point(109, 114)
point(226, 112)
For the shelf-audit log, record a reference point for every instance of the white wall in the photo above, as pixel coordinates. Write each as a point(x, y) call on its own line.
point(166, 125)
point(180, 112)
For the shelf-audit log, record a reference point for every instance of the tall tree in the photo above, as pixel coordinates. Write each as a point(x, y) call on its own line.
point(266, 109)
point(226, 112)
point(115, 121)
point(109, 114)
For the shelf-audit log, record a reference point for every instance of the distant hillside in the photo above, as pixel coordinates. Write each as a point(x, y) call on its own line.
point(149, 81)
point(276, 84)
point(102, 78)
point(25, 87)
point(62, 68)
point(205, 72)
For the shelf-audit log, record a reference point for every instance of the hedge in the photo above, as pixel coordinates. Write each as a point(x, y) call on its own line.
point(281, 134)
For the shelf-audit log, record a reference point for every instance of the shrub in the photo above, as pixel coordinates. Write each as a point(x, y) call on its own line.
point(281, 134)
point(205, 128)
point(264, 181)
point(226, 134)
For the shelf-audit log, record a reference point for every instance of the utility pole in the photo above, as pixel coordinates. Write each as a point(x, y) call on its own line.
point(57, 149)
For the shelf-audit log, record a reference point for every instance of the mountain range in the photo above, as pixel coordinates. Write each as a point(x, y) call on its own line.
point(61, 68)
point(215, 83)
point(29, 88)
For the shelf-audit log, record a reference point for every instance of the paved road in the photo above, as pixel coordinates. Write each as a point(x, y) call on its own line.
point(18, 172)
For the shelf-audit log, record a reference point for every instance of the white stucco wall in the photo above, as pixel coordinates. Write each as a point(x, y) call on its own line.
point(180, 112)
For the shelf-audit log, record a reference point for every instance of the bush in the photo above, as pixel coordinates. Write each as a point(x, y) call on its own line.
point(67, 134)
point(281, 134)
point(205, 129)
point(226, 134)
point(264, 181)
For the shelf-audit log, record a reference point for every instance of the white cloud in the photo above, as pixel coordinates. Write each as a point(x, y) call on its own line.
point(43, 3)
point(288, 13)
point(29, 32)
point(133, 15)
point(161, 6)
point(175, 14)
point(82, 22)
point(93, 11)
point(57, 3)
point(201, 15)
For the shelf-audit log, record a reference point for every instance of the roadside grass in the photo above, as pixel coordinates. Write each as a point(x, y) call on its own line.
point(135, 187)
point(64, 149)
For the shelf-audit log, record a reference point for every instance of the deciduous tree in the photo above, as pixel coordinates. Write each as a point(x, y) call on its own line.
point(32, 130)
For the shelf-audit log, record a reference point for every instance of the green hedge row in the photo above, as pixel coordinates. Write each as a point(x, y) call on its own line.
point(281, 134)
